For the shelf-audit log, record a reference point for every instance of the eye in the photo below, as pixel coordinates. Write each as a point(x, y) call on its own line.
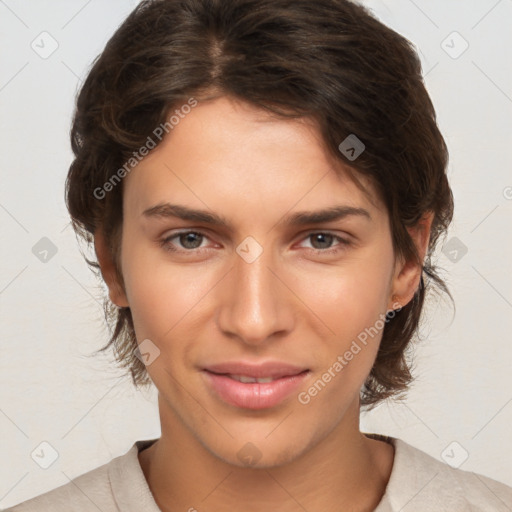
point(322, 242)
point(189, 241)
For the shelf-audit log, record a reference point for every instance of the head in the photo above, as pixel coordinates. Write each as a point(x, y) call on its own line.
point(248, 110)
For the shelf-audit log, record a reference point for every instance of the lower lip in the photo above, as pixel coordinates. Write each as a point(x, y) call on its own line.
point(254, 395)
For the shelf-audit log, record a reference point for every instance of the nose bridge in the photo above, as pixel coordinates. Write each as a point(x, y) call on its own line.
point(255, 305)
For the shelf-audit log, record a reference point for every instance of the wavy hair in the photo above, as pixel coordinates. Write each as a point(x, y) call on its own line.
point(329, 60)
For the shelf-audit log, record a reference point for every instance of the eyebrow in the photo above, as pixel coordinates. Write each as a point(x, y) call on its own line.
point(333, 213)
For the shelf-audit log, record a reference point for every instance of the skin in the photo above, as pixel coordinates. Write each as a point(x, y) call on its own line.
point(291, 304)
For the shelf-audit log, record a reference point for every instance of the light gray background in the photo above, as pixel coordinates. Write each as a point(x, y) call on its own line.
point(51, 316)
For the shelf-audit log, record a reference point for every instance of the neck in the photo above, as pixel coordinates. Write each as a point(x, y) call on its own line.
point(351, 470)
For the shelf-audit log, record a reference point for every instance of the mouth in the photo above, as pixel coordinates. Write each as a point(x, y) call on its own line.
point(268, 370)
point(254, 387)
point(249, 380)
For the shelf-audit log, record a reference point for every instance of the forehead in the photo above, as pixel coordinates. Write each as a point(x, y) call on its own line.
point(225, 149)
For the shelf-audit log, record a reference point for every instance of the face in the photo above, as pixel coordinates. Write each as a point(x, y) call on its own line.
point(264, 285)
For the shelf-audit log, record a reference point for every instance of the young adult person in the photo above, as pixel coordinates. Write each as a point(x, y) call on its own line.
point(264, 183)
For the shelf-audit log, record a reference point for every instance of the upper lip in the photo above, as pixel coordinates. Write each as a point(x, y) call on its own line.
point(273, 369)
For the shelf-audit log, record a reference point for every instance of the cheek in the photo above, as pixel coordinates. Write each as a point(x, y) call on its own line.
point(347, 298)
point(351, 300)
point(162, 296)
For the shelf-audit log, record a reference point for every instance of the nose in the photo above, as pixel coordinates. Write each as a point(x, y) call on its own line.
point(255, 304)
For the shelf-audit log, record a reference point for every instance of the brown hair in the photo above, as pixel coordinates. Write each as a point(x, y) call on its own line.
point(329, 60)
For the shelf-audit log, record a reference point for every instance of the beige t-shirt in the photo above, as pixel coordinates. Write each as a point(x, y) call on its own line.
point(418, 483)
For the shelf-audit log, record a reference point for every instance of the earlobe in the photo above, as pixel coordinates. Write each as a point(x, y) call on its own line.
point(407, 279)
point(108, 270)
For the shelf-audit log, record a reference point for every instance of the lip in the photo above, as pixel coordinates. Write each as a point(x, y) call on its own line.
point(273, 369)
point(254, 395)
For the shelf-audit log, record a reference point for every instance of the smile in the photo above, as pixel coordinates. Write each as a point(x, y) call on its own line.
point(253, 392)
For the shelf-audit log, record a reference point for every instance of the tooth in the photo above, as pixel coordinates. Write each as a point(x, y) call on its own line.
point(246, 380)
point(250, 380)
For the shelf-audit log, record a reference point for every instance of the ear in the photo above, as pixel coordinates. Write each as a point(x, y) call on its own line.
point(407, 277)
point(116, 293)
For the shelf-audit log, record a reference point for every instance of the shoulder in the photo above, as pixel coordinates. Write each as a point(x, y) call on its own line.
point(90, 491)
point(419, 482)
point(99, 489)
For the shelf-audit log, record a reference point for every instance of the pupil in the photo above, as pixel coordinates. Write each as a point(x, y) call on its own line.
point(319, 237)
point(187, 238)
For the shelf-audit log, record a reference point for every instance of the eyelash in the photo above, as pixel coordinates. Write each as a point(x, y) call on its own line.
point(165, 243)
